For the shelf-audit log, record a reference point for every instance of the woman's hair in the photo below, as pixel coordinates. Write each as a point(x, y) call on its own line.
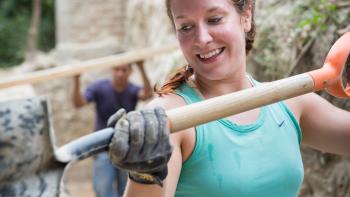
point(185, 72)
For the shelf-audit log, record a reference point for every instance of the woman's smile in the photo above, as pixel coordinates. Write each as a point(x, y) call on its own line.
point(211, 56)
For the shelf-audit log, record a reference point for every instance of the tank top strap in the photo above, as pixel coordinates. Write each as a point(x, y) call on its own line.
point(188, 93)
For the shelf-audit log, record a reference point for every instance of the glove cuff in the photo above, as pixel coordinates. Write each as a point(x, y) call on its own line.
point(149, 178)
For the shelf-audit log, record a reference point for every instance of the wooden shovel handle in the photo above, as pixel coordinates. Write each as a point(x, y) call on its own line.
point(237, 102)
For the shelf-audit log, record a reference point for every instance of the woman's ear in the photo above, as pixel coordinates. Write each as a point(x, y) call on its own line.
point(246, 19)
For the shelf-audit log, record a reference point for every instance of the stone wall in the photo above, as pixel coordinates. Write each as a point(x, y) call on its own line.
point(90, 28)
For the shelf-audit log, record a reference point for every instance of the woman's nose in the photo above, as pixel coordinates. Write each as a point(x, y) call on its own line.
point(202, 36)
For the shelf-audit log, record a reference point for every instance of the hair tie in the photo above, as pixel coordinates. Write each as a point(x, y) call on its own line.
point(188, 68)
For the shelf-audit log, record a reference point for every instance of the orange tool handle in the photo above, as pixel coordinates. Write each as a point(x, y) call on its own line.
point(334, 75)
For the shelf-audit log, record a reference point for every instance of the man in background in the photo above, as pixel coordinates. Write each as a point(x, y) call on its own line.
point(109, 95)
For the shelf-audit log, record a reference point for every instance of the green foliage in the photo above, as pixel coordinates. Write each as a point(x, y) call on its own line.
point(12, 41)
point(15, 18)
point(283, 41)
point(315, 16)
point(13, 21)
point(266, 55)
point(47, 27)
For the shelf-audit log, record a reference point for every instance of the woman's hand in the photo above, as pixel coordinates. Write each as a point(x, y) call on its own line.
point(140, 144)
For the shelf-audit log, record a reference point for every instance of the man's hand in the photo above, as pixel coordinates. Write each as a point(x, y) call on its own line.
point(140, 64)
point(141, 144)
point(146, 92)
point(77, 77)
point(77, 99)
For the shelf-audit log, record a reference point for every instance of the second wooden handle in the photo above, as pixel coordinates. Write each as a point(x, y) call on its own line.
point(77, 68)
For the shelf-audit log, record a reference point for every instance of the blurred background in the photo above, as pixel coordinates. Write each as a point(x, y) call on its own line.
point(293, 36)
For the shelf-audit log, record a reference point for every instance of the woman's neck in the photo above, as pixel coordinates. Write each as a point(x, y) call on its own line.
point(213, 88)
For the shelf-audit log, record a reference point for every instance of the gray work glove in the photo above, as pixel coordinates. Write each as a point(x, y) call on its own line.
point(140, 144)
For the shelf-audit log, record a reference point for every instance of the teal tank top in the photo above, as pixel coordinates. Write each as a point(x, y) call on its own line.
point(261, 159)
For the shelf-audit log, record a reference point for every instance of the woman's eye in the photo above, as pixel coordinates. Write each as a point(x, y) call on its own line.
point(214, 20)
point(185, 28)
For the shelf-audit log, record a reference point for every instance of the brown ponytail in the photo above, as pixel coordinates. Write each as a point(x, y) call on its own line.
point(181, 76)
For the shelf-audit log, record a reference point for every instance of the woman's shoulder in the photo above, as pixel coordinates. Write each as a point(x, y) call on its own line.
point(167, 101)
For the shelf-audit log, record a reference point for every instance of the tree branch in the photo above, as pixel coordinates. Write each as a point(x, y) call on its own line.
point(304, 50)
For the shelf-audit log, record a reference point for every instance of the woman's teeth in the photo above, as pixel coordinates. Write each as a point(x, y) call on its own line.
point(210, 54)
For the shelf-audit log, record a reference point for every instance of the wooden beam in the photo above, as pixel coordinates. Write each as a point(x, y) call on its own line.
point(77, 68)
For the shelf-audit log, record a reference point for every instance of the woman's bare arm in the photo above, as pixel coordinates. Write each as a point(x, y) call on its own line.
point(324, 126)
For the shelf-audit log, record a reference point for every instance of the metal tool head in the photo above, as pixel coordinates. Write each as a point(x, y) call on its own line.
point(27, 163)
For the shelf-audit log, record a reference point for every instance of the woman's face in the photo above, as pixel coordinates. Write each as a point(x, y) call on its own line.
point(212, 36)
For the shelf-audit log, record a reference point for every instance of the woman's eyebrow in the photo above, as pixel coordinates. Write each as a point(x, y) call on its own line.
point(180, 17)
point(213, 9)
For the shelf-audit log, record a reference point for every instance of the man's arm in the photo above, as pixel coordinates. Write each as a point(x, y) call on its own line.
point(146, 92)
point(77, 98)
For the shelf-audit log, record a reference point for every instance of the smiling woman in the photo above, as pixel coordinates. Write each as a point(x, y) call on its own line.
point(254, 153)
